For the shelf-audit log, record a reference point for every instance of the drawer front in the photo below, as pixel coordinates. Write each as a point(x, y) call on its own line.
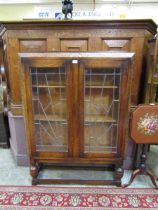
point(116, 44)
point(32, 45)
point(70, 45)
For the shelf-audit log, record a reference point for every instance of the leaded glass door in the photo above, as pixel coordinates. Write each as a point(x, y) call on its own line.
point(101, 110)
point(50, 108)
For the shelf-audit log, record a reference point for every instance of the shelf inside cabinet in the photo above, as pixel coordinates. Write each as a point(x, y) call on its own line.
point(99, 119)
point(53, 118)
point(88, 119)
point(62, 86)
point(48, 86)
point(100, 86)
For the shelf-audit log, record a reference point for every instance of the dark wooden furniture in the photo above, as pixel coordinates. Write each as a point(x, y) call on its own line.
point(4, 129)
point(76, 110)
point(144, 130)
point(72, 36)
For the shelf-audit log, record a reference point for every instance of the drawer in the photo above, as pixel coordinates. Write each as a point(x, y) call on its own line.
point(73, 45)
point(32, 45)
point(116, 44)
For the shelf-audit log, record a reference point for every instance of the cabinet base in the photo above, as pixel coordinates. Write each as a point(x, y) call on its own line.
point(36, 181)
point(109, 175)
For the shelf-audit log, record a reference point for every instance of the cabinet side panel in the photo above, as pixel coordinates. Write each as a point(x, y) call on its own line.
point(12, 56)
point(137, 47)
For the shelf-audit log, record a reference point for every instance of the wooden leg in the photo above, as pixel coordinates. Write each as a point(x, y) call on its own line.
point(153, 174)
point(139, 172)
point(152, 178)
point(34, 171)
point(118, 176)
point(134, 174)
point(34, 181)
point(142, 169)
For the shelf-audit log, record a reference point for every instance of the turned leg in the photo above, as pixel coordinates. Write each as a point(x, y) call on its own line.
point(118, 175)
point(34, 171)
point(152, 177)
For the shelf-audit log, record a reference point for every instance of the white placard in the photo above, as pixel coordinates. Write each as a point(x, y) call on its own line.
point(48, 13)
point(81, 15)
point(88, 15)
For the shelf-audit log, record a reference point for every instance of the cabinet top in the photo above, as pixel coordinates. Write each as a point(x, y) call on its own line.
point(78, 55)
point(106, 59)
point(144, 24)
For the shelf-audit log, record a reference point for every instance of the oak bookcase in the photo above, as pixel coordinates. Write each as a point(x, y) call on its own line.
point(76, 110)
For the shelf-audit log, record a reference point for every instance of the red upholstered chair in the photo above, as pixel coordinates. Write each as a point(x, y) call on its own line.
point(144, 130)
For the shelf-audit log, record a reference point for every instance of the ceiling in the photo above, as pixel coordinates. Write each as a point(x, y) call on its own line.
point(78, 1)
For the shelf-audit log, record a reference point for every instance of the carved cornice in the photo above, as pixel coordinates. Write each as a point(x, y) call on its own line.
point(146, 24)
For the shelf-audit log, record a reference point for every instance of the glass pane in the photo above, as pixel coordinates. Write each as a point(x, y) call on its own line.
point(49, 107)
point(101, 104)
